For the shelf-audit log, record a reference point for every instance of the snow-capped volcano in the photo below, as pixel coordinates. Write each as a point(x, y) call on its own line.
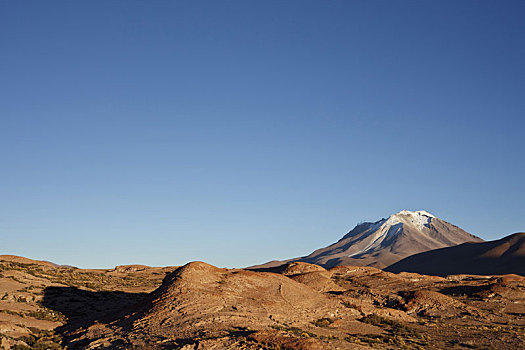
point(389, 240)
point(387, 229)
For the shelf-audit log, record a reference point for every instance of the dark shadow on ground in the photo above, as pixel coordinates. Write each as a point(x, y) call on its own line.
point(468, 291)
point(83, 308)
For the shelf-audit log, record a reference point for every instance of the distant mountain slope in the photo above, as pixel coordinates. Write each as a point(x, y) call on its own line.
point(23, 260)
point(387, 241)
point(503, 256)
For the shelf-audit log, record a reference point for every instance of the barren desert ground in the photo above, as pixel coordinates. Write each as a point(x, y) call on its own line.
point(296, 306)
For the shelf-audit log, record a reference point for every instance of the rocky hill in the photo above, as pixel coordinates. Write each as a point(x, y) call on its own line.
point(299, 306)
point(307, 307)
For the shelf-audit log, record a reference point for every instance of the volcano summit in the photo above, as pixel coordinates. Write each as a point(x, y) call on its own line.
point(384, 242)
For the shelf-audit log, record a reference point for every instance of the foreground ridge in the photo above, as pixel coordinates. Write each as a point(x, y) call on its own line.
point(297, 306)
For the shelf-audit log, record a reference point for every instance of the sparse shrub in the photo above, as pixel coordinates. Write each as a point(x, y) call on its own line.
point(323, 322)
point(376, 320)
point(20, 347)
point(43, 340)
point(395, 327)
point(295, 331)
point(46, 314)
point(9, 312)
point(352, 306)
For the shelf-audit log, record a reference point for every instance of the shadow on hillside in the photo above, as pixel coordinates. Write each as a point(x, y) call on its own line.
point(468, 291)
point(82, 308)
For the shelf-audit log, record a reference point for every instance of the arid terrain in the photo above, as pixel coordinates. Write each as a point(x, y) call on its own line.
point(469, 295)
point(39, 300)
point(295, 306)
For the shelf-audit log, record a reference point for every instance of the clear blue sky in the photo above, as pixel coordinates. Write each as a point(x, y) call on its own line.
point(237, 132)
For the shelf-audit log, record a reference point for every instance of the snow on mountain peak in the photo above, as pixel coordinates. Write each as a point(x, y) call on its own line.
point(420, 218)
point(415, 213)
point(392, 226)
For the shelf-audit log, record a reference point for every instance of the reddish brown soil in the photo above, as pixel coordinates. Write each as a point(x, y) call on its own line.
point(298, 306)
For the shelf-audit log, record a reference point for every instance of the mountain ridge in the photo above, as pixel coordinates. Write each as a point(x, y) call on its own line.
point(502, 256)
point(386, 241)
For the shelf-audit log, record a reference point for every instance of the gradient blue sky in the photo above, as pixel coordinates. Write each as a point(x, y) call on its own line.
point(237, 132)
